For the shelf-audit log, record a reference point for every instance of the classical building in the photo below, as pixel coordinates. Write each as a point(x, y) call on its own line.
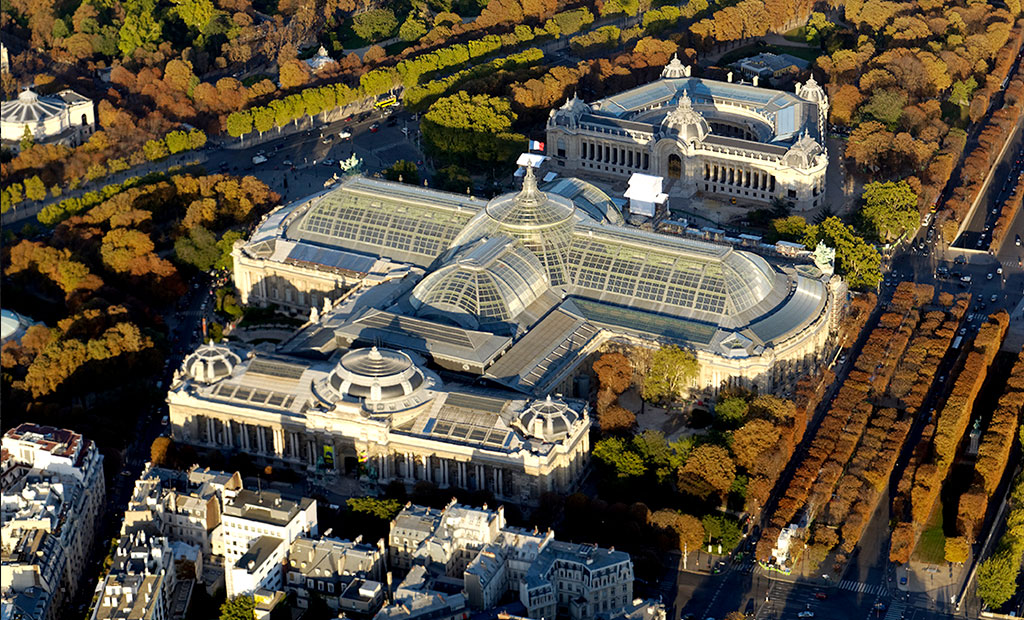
point(381, 413)
point(64, 118)
point(718, 139)
point(521, 289)
point(475, 549)
point(53, 497)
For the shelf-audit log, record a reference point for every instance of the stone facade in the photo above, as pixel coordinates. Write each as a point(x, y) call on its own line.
point(343, 437)
point(717, 139)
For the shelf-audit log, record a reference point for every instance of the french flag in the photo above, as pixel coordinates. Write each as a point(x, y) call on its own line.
point(536, 146)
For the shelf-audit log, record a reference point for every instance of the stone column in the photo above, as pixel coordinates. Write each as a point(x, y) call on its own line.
point(462, 475)
point(229, 437)
point(211, 438)
point(279, 442)
point(500, 490)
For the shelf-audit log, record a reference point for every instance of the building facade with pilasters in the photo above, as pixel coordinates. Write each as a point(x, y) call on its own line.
point(719, 139)
point(378, 413)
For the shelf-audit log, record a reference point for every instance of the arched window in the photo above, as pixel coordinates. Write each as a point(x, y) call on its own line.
point(675, 166)
point(85, 119)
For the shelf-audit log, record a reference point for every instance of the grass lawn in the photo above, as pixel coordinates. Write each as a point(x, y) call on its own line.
point(796, 35)
point(932, 545)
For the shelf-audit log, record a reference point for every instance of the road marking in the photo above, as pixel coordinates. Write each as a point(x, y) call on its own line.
point(859, 586)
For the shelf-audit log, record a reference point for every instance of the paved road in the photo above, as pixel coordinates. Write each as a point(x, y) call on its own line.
point(978, 234)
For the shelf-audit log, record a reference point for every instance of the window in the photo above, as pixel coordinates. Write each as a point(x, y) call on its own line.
point(561, 147)
point(791, 193)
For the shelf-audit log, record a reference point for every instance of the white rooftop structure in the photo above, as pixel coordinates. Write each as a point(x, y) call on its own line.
point(64, 118)
point(645, 194)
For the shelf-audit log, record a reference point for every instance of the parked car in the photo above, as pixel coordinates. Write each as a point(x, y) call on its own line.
point(374, 128)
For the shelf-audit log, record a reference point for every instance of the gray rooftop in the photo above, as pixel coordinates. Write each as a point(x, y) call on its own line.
point(259, 551)
point(265, 506)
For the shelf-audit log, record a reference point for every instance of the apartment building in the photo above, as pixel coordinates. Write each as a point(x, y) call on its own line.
point(52, 498)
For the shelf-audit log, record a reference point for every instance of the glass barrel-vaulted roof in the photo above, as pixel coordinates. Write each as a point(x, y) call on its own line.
point(622, 269)
point(491, 281)
point(543, 222)
point(403, 223)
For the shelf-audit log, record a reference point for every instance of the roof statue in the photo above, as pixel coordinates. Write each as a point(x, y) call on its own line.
point(675, 69)
point(825, 258)
point(314, 315)
point(688, 123)
point(351, 164)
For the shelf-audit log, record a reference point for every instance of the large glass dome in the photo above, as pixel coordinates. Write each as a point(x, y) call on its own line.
point(491, 281)
point(543, 222)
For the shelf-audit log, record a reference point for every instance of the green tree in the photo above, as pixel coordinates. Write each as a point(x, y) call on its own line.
point(856, 259)
point(404, 171)
point(886, 106)
point(154, 149)
point(818, 27)
point(453, 179)
point(997, 578)
point(195, 13)
point(375, 25)
point(889, 210)
point(198, 248)
point(616, 454)
point(412, 29)
point(238, 608)
point(962, 90)
point(239, 123)
point(139, 28)
point(27, 140)
point(672, 371)
point(196, 139)
point(177, 141)
point(383, 509)
point(225, 247)
point(731, 411)
point(34, 188)
point(472, 130)
point(792, 228)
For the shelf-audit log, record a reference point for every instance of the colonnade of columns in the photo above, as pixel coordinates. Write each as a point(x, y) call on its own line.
point(739, 177)
point(256, 439)
point(615, 155)
point(305, 448)
point(444, 472)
